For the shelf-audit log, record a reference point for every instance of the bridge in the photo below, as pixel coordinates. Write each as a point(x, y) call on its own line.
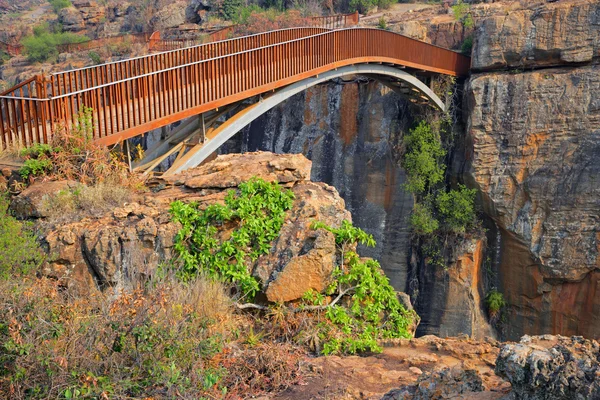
point(239, 78)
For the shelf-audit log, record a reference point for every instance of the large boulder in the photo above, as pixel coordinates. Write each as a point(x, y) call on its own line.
point(71, 19)
point(125, 247)
point(551, 368)
point(31, 202)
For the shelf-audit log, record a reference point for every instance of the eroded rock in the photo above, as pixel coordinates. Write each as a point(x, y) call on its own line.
point(126, 246)
point(551, 367)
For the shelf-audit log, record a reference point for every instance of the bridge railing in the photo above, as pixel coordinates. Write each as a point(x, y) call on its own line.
point(137, 104)
point(79, 79)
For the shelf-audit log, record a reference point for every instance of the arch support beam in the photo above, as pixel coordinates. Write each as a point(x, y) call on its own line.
point(243, 118)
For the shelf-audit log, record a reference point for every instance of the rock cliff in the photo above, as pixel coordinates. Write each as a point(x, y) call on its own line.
point(534, 138)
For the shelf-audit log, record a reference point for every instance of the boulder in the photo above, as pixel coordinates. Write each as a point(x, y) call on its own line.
point(551, 367)
point(302, 258)
point(71, 19)
point(30, 202)
point(124, 247)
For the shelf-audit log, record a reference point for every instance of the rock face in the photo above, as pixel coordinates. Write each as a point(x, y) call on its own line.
point(535, 136)
point(124, 248)
point(450, 300)
point(551, 367)
point(566, 32)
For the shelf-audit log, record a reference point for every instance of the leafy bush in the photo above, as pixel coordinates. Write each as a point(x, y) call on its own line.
point(382, 24)
point(422, 160)
point(231, 8)
point(422, 220)
point(58, 5)
point(95, 57)
point(457, 207)
point(494, 302)
point(372, 311)
point(461, 12)
point(73, 155)
point(43, 44)
point(35, 167)
point(19, 250)
point(257, 211)
point(467, 46)
point(362, 6)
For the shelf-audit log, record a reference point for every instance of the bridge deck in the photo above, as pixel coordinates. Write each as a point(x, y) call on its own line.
point(135, 96)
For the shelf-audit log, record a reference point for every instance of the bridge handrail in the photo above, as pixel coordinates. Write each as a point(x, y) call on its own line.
point(130, 106)
point(64, 82)
point(237, 54)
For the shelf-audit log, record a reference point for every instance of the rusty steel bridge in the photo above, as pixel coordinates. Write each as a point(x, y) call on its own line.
point(243, 77)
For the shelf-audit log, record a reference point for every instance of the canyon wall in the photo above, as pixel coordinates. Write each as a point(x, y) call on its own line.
point(535, 144)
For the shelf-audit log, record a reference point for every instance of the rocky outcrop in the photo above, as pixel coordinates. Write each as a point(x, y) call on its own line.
point(534, 136)
point(551, 367)
point(71, 20)
point(566, 32)
point(30, 203)
point(124, 248)
point(442, 383)
point(450, 299)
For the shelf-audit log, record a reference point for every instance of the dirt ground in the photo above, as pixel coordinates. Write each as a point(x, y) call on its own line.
point(400, 365)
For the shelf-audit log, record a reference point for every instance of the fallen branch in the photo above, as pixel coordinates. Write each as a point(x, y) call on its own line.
point(325, 307)
point(250, 305)
point(306, 308)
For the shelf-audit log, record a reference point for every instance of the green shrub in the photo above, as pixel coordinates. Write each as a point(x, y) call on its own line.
point(382, 24)
point(461, 12)
point(372, 311)
point(19, 250)
point(362, 6)
point(422, 160)
point(35, 167)
point(43, 44)
point(385, 4)
point(257, 210)
point(231, 8)
point(95, 57)
point(467, 46)
point(422, 220)
point(494, 301)
point(457, 208)
point(58, 5)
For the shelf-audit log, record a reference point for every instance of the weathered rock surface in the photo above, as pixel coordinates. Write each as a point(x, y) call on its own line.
point(535, 136)
point(302, 258)
point(449, 300)
point(71, 19)
point(551, 367)
point(565, 32)
point(30, 202)
point(124, 248)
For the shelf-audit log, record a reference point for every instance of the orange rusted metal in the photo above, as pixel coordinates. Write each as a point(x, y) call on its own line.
point(134, 96)
point(11, 49)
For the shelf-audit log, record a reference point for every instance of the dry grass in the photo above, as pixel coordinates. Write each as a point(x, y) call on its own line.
point(83, 200)
point(168, 340)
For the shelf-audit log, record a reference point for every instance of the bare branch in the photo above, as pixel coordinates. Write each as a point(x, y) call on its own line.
point(325, 307)
point(250, 305)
